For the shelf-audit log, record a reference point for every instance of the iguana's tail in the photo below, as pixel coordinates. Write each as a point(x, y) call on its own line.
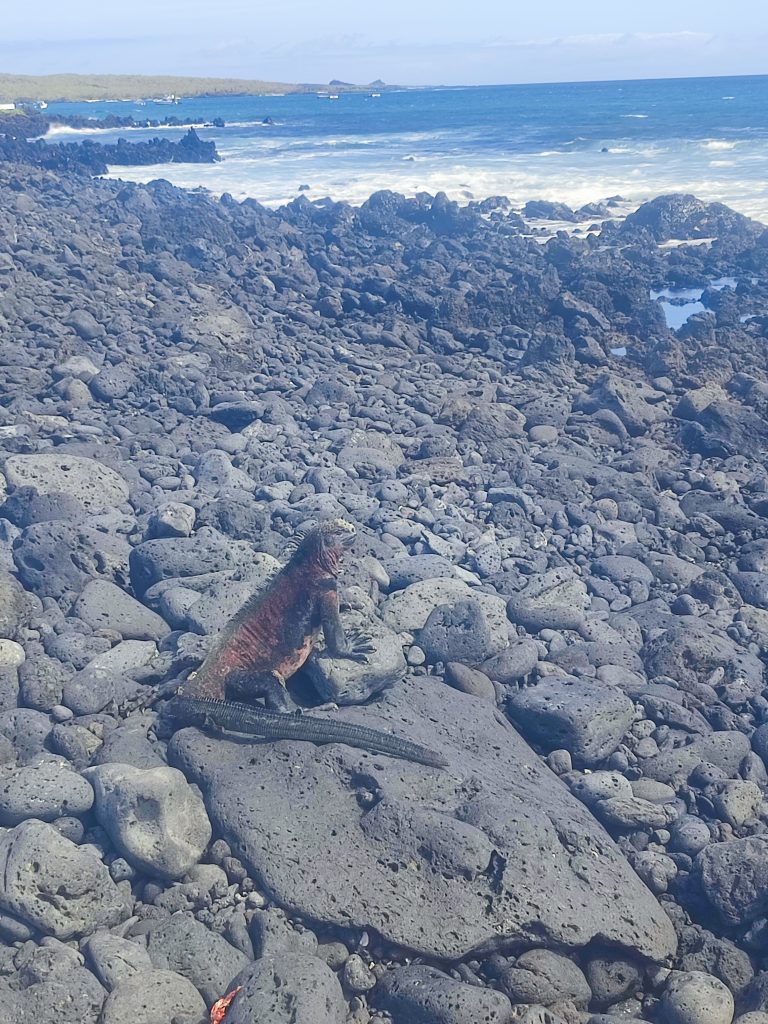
point(254, 720)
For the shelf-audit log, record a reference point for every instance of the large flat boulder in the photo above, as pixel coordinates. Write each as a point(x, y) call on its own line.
point(444, 862)
point(95, 486)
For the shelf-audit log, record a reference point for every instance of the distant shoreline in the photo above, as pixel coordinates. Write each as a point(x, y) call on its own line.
point(73, 88)
point(84, 88)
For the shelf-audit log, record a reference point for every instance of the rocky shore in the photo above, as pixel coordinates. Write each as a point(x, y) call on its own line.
point(86, 157)
point(561, 560)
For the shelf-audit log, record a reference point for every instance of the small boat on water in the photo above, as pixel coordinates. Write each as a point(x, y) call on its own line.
point(375, 95)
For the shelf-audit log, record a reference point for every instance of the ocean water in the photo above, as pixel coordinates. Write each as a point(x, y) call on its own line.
point(574, 143)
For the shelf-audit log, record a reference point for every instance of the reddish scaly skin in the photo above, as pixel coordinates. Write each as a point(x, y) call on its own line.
point(276, 629)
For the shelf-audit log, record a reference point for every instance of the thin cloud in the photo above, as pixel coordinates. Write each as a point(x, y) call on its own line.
point(607, 39)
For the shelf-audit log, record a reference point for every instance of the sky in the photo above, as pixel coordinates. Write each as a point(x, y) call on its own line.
point(406, 42)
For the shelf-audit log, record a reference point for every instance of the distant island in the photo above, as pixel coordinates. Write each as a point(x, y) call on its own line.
point(79, 88)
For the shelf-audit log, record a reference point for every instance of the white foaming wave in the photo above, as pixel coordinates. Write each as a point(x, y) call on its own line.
point(578, 177)
point(718, 144)
point(253, 124)
point(317, 143)
point(642, 117)
point(648, 150)
point(275, 186)
point(64, 129)
point(97, 130)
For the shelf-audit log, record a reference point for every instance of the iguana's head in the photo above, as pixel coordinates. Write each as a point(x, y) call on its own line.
point(326, 543)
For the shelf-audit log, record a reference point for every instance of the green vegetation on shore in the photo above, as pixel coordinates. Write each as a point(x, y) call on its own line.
point(74, 88)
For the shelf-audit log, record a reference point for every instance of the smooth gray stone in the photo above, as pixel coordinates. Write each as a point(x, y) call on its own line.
point(130, 744)
point(113, 959)
point(760, 742)
point(152, 996)
point(611, 978)
point(408, 610)
point(41, 681)
point(541, 976)
point(28, 730)
point(75, 650)
point(186, 946)
point(84, 324)
point(103, 605)
point(74, 997)
point(424, 995)
point(753, 587)
point(46, 790)
point(727, 750)
point(178, 557)
point(346, 681)
point(593, 787)
point(94, 485)
point(435, 839)
point(514, 663)
point(622, 570)
point(715, 955)
point(112, 382)
point(733, 875)
point(89, 691)
point(9, 691)
point(692, 997)
point(58, 559)
point(554, 600)
point(456, 632)
point(587, 718)
point(272, 934)
point(13, 930)
point(154, 818)
point(211, 612)
point(289, 988)
point(690, 650)
point(27, 506)
point(14, 607)
point(54, 885)
point(669, 568)
point(410, 569)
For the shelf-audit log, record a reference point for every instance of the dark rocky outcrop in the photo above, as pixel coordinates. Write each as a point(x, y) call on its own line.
point(94, 157)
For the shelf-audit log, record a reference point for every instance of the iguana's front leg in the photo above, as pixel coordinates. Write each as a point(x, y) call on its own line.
point(357, 646)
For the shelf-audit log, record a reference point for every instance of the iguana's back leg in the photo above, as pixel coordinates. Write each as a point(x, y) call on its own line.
point(246, 686)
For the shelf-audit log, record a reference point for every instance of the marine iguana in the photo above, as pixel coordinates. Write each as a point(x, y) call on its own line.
point(268, 640)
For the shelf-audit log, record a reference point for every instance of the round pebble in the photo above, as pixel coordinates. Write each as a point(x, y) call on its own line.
point(692, 997)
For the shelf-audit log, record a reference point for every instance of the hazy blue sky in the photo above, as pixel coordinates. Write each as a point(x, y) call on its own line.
point(404, 41)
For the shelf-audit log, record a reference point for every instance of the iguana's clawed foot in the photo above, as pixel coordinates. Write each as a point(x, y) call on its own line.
point(360, 646)
point(329, 706)
point(150, 696)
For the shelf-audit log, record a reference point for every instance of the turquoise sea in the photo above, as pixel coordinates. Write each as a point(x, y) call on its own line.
point(575, 143)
